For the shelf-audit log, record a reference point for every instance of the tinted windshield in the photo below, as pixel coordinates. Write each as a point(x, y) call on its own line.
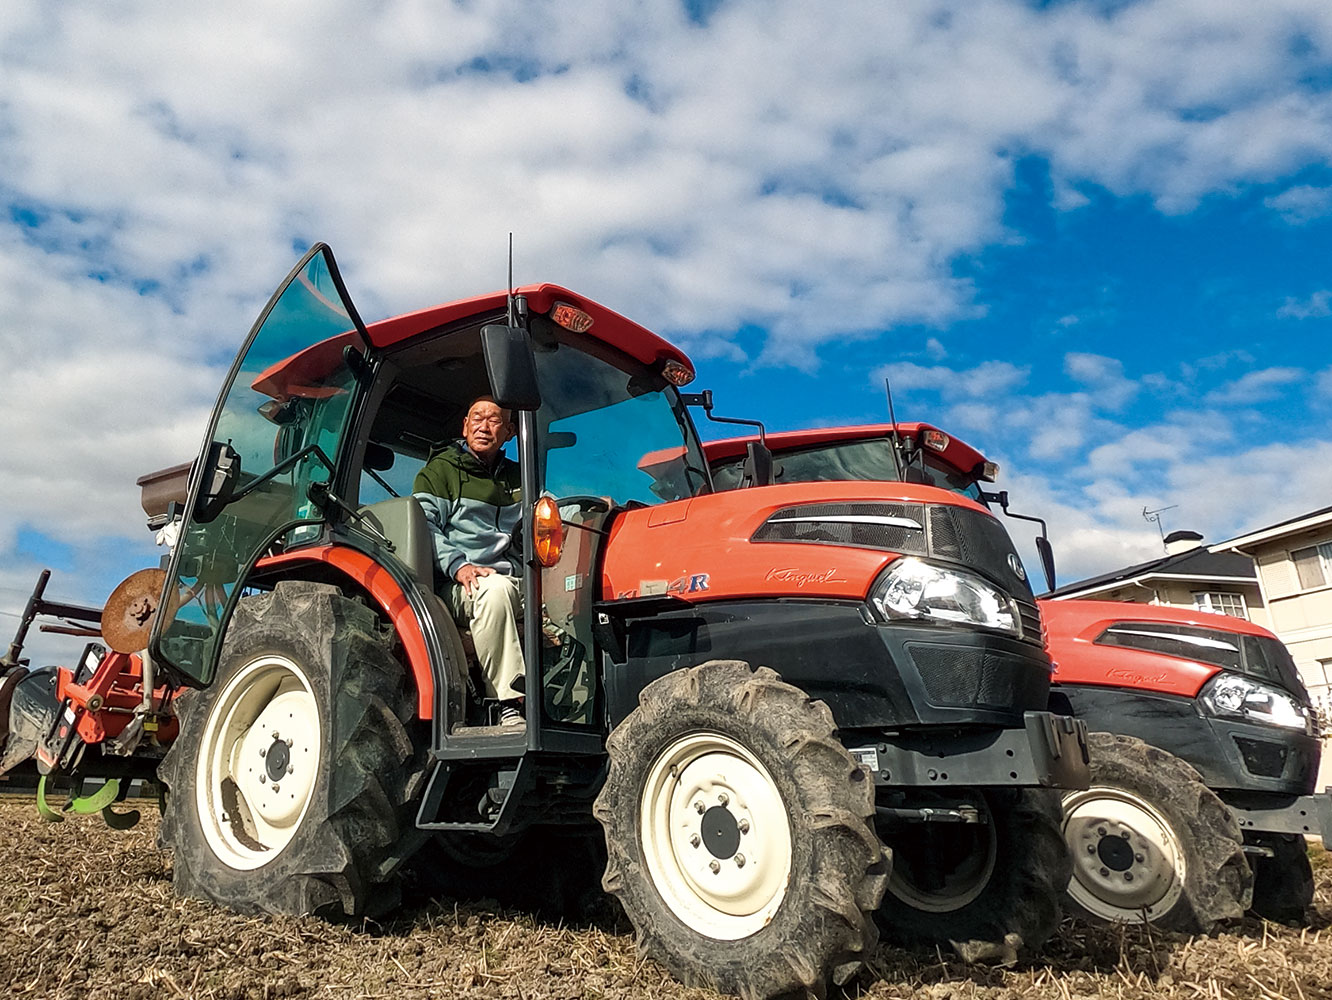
point(604, 432)
point(870, 460)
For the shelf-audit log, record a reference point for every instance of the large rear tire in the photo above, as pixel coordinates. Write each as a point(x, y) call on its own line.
point(1150, 841)
point(739, 834)
point(294, 774)
point(1283, 886)
point(991, 889)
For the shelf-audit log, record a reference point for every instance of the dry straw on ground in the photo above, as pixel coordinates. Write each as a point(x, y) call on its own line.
point(86, 912)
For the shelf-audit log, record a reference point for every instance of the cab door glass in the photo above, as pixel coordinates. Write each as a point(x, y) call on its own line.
point(282, 416)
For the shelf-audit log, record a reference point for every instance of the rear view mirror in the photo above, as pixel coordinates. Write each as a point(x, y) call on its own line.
point(220, 473)
point(1046, 551)
point(511, 367)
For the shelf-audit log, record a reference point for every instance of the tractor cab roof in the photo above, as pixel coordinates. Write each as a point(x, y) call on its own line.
point(303, 372)
point(955, 452)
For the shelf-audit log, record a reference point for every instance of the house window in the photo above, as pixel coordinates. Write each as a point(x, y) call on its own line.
point(1222, 604)
point(1314, 565)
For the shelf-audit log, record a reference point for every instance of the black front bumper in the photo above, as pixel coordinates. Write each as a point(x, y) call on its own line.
point(1230, 754)
point(1308, 815)
point(1050, 751)
point(874, 676)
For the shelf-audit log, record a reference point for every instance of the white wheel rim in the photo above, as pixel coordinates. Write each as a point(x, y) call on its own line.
point(716, 836)
point(257, 763)
point(1127, 859)
point(961, 886)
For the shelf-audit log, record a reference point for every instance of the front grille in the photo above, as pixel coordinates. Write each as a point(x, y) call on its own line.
point(1263, 758)
point(957, 676)
point(895, 527)
point(1031, 621)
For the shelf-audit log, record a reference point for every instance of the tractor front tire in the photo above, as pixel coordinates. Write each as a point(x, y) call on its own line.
point(1151, 842)
point(294, 775)
point(739, 834)
point(991, 889)
point(1283, 886)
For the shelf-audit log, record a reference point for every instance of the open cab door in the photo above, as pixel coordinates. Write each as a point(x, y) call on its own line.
point(275, 430)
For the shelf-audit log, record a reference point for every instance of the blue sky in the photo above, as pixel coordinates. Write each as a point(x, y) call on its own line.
point(1092, 239)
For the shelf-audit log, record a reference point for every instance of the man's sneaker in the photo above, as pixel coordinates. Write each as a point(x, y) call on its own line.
point(510, 717)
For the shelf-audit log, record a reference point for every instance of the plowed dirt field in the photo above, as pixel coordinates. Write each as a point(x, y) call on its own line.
point(88, 912)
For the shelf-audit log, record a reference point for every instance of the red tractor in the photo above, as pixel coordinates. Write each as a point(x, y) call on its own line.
point(746, 691)
point(1205, 746)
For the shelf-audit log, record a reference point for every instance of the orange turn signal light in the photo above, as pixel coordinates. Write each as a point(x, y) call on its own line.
point(677, 374)
point(935, 439)
point(571, 317)
point(547, 531)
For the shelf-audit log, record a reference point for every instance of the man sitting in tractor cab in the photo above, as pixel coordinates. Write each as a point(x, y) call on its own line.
point(470, 493)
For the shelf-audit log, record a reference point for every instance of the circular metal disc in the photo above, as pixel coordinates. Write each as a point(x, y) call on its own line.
point(127, 619)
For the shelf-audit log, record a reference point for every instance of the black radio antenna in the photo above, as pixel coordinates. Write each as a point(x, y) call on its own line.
point(510, 286)
point(897, 438)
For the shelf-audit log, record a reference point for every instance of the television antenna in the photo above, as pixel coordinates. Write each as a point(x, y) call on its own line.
point(1154, 516)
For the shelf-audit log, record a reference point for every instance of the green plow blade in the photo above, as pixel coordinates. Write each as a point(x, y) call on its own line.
point(44, 810)
point(97, 801)
point(83, 805)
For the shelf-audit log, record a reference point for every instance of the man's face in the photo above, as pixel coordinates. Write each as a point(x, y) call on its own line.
point(486, 428)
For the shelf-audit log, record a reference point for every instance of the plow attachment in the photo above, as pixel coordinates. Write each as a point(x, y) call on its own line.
point(97, 727)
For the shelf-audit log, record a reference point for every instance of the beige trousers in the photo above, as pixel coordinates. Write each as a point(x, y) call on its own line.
point(492, 611)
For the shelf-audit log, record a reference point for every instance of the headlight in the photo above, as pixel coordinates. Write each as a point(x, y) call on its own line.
point(916, 589)
point(1237, 696)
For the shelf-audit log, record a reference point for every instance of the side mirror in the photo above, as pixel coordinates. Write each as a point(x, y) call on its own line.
point(1046, 552)
point(758, 464)
point(511, 367)
point(221, 471)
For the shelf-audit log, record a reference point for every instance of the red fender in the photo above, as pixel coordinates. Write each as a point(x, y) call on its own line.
point(385, 590)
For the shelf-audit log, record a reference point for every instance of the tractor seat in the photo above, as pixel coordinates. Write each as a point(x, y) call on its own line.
point(402, 521)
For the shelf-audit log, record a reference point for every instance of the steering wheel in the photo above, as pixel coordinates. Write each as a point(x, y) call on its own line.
point(584, 501)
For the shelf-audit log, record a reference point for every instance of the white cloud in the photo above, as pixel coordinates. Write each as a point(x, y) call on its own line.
point(987, 378)
point(1259, 386)
point(1104, 376)
point(1316, 306)
point(1301, 204)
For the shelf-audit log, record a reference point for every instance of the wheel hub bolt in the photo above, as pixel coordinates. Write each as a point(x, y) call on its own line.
point(263, 751)
point(1128, 876)
point(744, 826)
point(694, 841)
point(723, 798)
point(290, 742)
point(715, 866)
point(700, 808)
point(276, 735)
point(276, 787)
point(1100, 831)
point(263, 779)
point(1139, 858)
point(1091, 848)
point(291, 770)
point(1105, 872)
point(739, 860)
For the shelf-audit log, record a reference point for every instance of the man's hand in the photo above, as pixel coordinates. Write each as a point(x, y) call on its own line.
point(468, 574)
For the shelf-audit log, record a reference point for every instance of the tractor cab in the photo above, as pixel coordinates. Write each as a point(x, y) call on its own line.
point(308, 470)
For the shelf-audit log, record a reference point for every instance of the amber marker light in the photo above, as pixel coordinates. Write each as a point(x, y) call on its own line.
point(935, 439)
point(677, 374)
point(571, 317)
point(547, 531)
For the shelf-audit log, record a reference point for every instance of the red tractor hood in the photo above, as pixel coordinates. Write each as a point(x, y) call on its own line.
point(701, 549)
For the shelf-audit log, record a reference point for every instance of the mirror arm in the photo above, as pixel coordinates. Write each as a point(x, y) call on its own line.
point(704, 399)
point(326, 498)
point(1043, 545)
